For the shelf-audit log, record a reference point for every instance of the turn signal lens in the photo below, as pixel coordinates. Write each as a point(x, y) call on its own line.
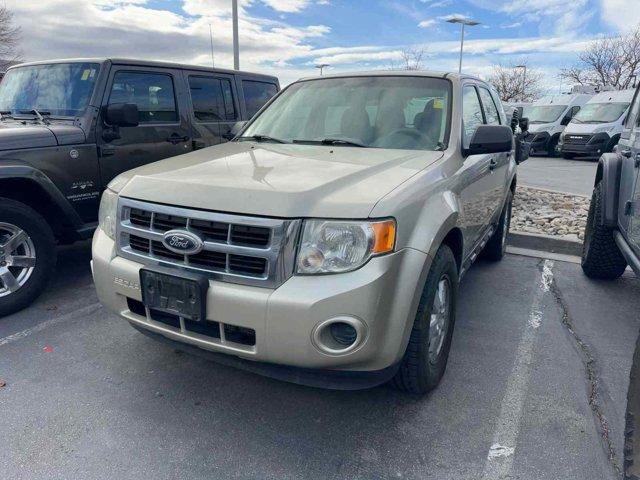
point(385, 237)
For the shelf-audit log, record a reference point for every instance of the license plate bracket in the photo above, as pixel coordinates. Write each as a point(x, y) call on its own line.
point(177, 293)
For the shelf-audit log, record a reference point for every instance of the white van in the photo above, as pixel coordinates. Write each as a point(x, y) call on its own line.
point(548, 117)
point(597, 127)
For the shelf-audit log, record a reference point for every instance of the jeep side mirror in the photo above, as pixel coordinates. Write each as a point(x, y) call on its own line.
point(523, 123)
point(121, 115)
point(490, 139)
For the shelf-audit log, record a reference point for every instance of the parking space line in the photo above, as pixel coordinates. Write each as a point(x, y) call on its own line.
point(49, 323)
point(500, 457)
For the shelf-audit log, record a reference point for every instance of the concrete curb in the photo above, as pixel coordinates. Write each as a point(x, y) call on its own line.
point(545, 243)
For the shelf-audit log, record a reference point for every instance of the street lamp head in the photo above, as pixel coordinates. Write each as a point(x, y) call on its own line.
point(322, 65)
point(464, 21)
point(520, 66)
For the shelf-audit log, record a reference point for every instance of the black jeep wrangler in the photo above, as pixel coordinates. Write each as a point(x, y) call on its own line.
point(68, 127)
point(612, 237)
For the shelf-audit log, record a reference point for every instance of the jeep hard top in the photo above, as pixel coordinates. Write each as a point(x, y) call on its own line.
point(67, 127)
point(325, 243)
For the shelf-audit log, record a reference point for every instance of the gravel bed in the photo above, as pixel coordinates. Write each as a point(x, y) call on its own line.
point(550, 213)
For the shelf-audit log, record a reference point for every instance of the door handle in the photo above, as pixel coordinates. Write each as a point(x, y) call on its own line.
point(493, 164)
point(175, 139)
point(106, 151)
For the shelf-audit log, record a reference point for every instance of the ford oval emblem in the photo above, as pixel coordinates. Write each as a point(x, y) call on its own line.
point(181, 241)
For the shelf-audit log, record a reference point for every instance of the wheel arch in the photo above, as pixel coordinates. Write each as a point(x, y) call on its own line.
point(608, 173)
point(33, 188)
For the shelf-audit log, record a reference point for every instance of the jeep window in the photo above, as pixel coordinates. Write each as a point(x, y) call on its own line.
point(600, 112)
point(490, 109)
point(60, 89)
point(151, 92)
point(545, 113)
point(212, 99)
point(471, 114)
point(256, 94)
point(394, 112)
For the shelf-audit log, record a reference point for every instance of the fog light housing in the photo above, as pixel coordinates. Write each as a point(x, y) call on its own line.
point(339, 335)
point(343, 333)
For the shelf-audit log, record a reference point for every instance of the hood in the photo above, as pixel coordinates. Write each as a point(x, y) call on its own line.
point(15, 135)
point(276, 180)
point(584, 128)
point(540, 127)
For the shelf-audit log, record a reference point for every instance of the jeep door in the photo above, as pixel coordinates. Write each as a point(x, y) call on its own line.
point(479, 183)
point(630, 177)
point(163, 130)
point(213, 107)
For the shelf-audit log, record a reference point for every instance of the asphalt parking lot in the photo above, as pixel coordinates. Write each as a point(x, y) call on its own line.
point(535, 389)
point(558, 174)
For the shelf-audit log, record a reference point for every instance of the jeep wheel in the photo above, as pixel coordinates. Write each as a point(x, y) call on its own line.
point(601, 257)
point(496, 247)
point(27, 255)
point(425, 359)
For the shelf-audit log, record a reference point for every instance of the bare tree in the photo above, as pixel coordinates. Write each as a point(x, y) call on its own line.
point(516, 83)
point(411, 59)
point(9, 39)
point(610, 61)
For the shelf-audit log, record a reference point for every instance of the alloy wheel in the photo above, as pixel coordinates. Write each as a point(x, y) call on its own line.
point(17, 258)
point(440, 319)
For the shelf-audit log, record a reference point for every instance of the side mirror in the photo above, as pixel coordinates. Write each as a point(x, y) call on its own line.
point(121, 115)
point(565, 121)
point(490, 139)
point(523, 123)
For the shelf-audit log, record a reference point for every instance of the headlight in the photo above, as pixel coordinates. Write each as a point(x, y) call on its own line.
point(332, 246)
point(107, 213)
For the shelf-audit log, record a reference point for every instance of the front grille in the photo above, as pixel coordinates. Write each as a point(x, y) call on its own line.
point(576, 139)
point(238, 249)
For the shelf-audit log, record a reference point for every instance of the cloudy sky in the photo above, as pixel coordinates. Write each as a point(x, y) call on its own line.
point(287, 37)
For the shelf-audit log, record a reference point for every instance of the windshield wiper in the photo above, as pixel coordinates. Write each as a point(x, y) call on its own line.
point(39, 115)
point(262, 138)
point(334, 141)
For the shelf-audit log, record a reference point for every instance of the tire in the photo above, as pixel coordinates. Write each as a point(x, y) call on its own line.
point(551, 148)
point(601, 257)
point(29, 260)
point(421, 371)
point(496, 247)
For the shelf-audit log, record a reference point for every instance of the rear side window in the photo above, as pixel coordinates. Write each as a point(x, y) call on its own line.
point(471, 114)
point(212, 99)
point(490, 109)
point(152, 92)
point(256, 94)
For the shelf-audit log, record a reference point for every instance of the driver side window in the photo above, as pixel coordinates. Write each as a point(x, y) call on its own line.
point(471, 114)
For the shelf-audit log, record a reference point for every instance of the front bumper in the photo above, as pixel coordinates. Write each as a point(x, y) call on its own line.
point(595, 145)
point(539, 142)
point(383, 294)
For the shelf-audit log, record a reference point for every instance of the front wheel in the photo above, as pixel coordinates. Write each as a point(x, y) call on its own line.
point(27, 255)
point(601, 257)
point(425, 358)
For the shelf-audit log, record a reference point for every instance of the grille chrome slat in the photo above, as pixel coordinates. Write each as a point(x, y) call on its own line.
point(238, 249)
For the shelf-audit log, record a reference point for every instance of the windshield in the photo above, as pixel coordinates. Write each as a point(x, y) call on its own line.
point(377, 112)
point(59, 89)
point(600, 112)
point(544, 113)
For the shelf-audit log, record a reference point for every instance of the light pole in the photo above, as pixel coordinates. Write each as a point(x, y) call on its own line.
point(236, 43)
point(321, 67)
point(463, 22)
point(524, 80)
point(213, 62)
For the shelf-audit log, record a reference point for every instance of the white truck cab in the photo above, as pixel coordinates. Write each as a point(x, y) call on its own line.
point(548, 118)
point(596, 129)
